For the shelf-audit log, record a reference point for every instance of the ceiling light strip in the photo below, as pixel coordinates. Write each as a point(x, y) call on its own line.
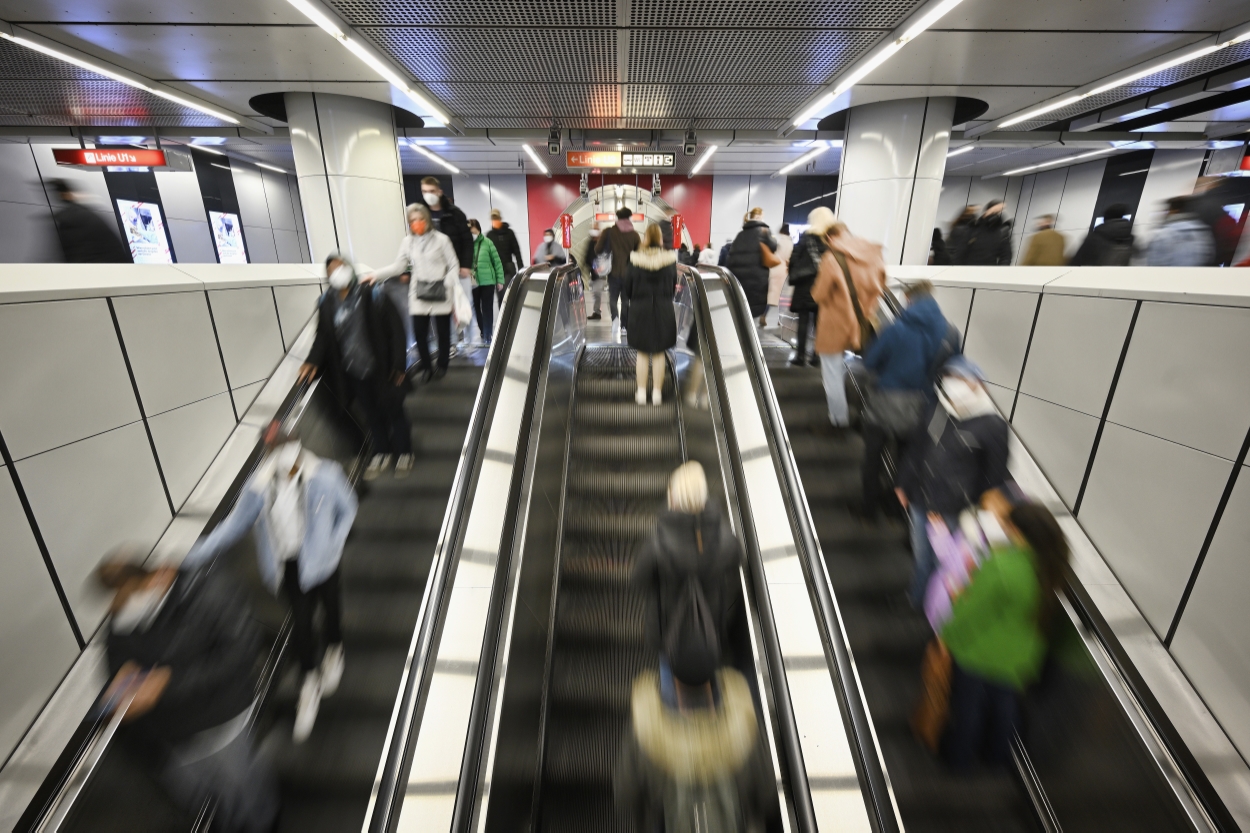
point(960, 151)
point(923, 20)
point(804, 159)
point(529, 150)
point(1064, 161)
point(1223, 41)
point(129, 81)
point(698, 166)
point(433, 157)
point(368, 56)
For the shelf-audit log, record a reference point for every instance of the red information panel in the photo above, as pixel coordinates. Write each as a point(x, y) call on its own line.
point(603, 218)
point(108, 158)
point(592, 159)
point(566, 230)
point(678, 224)
point(1245, 163)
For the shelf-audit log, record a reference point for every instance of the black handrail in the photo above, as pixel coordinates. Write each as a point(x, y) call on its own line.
point(864, 741)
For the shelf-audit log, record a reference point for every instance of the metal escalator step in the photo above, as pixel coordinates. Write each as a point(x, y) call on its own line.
point(590, 679)
point(578, 809)
point(625, 414)
point(619, 484)
point(606, 617)
point(607, 388)
point(610, 524)
point(583, 750)
point(630, 447)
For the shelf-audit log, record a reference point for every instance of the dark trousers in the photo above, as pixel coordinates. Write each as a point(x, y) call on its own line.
point(874, 446)
point(983, 718)
point(484, 308)
point(383, 407)
point(303, 605)
point(614, 295)
point(807, 318)
point(421, 331)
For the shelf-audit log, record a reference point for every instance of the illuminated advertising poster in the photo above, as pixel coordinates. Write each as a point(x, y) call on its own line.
point(228, 236)
point(145, 232)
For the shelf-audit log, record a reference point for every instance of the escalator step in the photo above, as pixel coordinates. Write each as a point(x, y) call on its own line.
point(607, 388)
point(619, 484)
point(625, 414)
point(609, 525)
point(606, 617)
point(598, 680)
point(583, 750)
point(632, 448)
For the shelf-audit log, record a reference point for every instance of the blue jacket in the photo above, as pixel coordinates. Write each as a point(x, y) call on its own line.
point(329, 510)
point(1182, 240)
point(903, 355)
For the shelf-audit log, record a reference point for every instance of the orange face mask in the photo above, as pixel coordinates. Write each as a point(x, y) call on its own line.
point(417, 226)
point(496, 223)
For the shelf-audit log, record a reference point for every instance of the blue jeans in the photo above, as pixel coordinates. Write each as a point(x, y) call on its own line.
point(922, 551)
point(983, 718)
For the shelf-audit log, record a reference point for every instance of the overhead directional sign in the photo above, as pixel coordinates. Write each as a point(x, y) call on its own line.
point(97, 158)
point(647, 159)
point(616, 159)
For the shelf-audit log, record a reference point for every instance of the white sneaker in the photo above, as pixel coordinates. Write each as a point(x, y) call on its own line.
point(378, 463)
point(331, 669)
point(641, 396)
point(403, 465)
point(616, 329)
point(656, 398)
point(306, 711)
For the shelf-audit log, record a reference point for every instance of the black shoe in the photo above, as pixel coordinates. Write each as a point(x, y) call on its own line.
point(797, 361)
point(439, 373)
point(814, 361)
point(594, 317)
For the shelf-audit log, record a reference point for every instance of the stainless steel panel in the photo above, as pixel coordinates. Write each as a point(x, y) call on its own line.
point(88, 182)
point(260, 244)
point(982, 191)
point(1002, 397)
point(35, 637)
point(1210, 642)
point(62, 376)
point(193, 242)
point(286, 246)
point(172, 349)
point(90, 496)
point(1147, 508)
point(954, 198)
point(955, 302)
point(1059, 440)
point(253, 207)
point(188, 438)
point(29, 234)
point(247, 329)
point(245, 396)
point(1076, 347)
point(180, 196)
point(999, 333)
point(1080, 192)
point(1185, 379)
point(19, 178)
point(278, 198)
point(295, 307)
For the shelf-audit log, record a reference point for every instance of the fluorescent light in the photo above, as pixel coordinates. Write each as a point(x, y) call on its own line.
point(1063, 161)
point(1029, 116)
point(434, 157)
point(269, 167)
point(961, 150)
point(707, 154)
point(223, 167)
point(432, 113)
point(207, 149)
point(811, 112)
point(317, 16)
point(1137, 76)
point(937, 13)
point(803, 160)
point(872, 63)
point(534, 156)
point(1138, 171)
point(108, 73)
point(360, 51)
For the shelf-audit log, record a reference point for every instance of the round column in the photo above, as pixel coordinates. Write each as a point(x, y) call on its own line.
point(893, 161)
point(350, 180)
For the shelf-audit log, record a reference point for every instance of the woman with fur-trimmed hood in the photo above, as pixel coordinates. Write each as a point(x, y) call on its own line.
point(650, 284)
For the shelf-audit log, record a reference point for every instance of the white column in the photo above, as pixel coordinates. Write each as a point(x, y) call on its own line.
point(350, 180)
point(890, 184)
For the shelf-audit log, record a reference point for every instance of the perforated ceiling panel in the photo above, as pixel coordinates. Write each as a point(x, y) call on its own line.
point(733, 56)
point(725, 101)
point(848, 14)
point(513, 55)
point(496, 13)
point(540, 101)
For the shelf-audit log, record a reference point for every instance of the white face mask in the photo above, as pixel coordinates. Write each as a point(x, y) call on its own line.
point(430, 199)
point(476, 235)
point(341, 278)
point(286, 457)
point(139, 610)
point(549, 240)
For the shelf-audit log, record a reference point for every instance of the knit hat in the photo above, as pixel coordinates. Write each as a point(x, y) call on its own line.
point(820, 220)
point(687, 488)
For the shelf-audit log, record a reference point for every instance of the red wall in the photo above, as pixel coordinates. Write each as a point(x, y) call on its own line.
point(548, 197)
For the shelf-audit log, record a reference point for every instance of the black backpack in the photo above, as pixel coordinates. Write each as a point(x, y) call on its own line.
point(692, 642)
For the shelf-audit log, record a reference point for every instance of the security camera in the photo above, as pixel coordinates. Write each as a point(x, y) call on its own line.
point(692, 144)
point(553, 142)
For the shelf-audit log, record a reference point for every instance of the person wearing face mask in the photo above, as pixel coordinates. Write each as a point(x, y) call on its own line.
point(429, 257)
point(299, 509)
point(360, 351)
point(957, 455)
point(549, 251)
point(509, 248)
point(595, 283)
point(451, 221)
point(182, 650)
point(488, 274)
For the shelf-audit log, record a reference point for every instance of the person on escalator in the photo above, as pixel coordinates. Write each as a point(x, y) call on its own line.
point(359, 349)
point(299, 508)
point(509, 248)
point(596, 284)
point(650, 283)
point(804, 264)
point(751, 255)
point(182, 652)
point(487, 274)
point(997, 635)
point(618, 241)
point(956, 456)
point(848, 289)
point(549, 251)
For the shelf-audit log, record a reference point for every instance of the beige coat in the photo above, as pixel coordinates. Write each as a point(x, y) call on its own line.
point(837, 329)
point(1045, 249)
point(777, 274)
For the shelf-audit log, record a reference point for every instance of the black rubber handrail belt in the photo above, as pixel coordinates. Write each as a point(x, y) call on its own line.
point(385, 804)
point(873, 778)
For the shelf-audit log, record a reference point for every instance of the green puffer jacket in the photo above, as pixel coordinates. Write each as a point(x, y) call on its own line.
point(993, 631)
point(487, 267)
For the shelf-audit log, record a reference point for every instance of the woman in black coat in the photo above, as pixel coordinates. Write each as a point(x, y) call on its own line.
point(746, 260)
point(650, 284)
point(804, 263)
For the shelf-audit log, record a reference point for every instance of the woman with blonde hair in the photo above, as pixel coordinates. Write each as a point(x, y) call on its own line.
point(650, 284)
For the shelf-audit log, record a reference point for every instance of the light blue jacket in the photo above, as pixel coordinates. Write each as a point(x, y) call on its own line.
point(1182, 240)
point(329, 510)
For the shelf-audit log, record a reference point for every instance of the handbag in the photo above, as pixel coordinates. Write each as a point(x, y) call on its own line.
point(462, 308)
point(932, 712)
point(895, 412)
point(433, 291)
point(768, 257)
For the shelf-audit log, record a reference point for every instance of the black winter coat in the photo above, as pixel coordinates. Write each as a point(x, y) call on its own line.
point(968, 458)
point(509, 249)
point(650, 283)
point(1109, 244)
point(386, 337)
point(672, 555)
point(989, 243)
point(804, 264)
point(206, 636)
point(88, 237)
point(451, 221)
point(957, 242)
point(746, 261)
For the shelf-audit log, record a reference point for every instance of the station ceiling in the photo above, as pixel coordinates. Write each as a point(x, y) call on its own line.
point(609, 67)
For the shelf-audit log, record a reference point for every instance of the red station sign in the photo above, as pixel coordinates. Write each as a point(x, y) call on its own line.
point(108, 158)
point(566, 231)
point(679, 223)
